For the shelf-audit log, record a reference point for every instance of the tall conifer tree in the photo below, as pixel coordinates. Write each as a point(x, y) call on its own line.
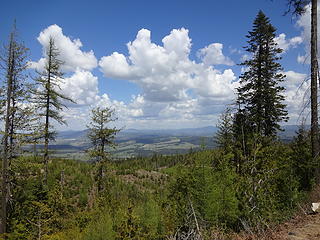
point(13, 64)
point(260, 94)
point(49, 99)
point(101, 136)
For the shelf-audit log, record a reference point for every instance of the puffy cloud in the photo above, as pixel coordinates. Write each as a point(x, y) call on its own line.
point(166, 73)
point(304, 22)
point(81, 87)
point(215, 85)
point(80, 84)
point(70, 50)
point(180, 110)
point(212, 55)
point(178, 43)
point(296, 93)
point(294, 80)
point(79, 117)
point(233, 50)
point(124, 112)
point(115, 65)
point(286, 44)
point(175, 89)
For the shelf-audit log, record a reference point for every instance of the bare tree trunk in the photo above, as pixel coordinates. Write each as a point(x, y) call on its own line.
point(11, 130)
point(314, 85)
point(61, 184)
point(5, 160)
point(46, 130)
point(195, 219)
point(46, 145)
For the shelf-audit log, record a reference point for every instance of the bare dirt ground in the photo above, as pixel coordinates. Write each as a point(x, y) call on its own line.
point(309, 229)
point(304, 226)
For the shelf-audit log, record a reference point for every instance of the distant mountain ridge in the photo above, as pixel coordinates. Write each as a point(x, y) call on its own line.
point(203, 131)
point(208, 131)
point(146, 142)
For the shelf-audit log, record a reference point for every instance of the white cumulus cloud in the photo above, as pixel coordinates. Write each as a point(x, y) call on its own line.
point(116, 65)
point(304, 22)
point(81, 87)
point(166, 73)
point(296, 94)
point(175, 89)
point(212, 55)
point(286, 44)
point(70, 50)
point(79, 84)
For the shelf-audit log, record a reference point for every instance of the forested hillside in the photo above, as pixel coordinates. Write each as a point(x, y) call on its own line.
point(198, 194)
point(242, 179)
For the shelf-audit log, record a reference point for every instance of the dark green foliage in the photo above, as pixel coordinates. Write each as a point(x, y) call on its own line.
point(209, 191)
point(224, 136)
point(260, 95)
point(129, 227)
point(267, 189)
point(100, 133)
point(303, 162)
point(221, 203)
point(142, 202)
point(100, 229)
point(101, 137)
point(40, 209)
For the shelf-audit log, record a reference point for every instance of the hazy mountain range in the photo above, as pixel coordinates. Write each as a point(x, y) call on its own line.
point(136, 142)
point(126, 134)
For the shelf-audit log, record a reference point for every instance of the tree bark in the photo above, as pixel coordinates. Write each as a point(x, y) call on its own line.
point(5, 160)
point(46, 128)
point(314, 85)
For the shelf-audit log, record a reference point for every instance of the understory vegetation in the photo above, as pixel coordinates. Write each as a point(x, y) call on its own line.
point(197, 194)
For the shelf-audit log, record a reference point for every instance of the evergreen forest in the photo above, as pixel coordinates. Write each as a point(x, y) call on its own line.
point(251, 183)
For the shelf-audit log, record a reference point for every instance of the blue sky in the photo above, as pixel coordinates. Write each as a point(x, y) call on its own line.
point(183, 81)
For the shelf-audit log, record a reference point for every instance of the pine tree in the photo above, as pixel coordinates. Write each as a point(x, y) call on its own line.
point(48, 98)
point(224, 135)
point(260, 95)
point(101, 136)
point(13, 63)
point(303, 162)
point(21, 114)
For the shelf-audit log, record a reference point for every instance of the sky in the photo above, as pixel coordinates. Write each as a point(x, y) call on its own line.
point(158, 64)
